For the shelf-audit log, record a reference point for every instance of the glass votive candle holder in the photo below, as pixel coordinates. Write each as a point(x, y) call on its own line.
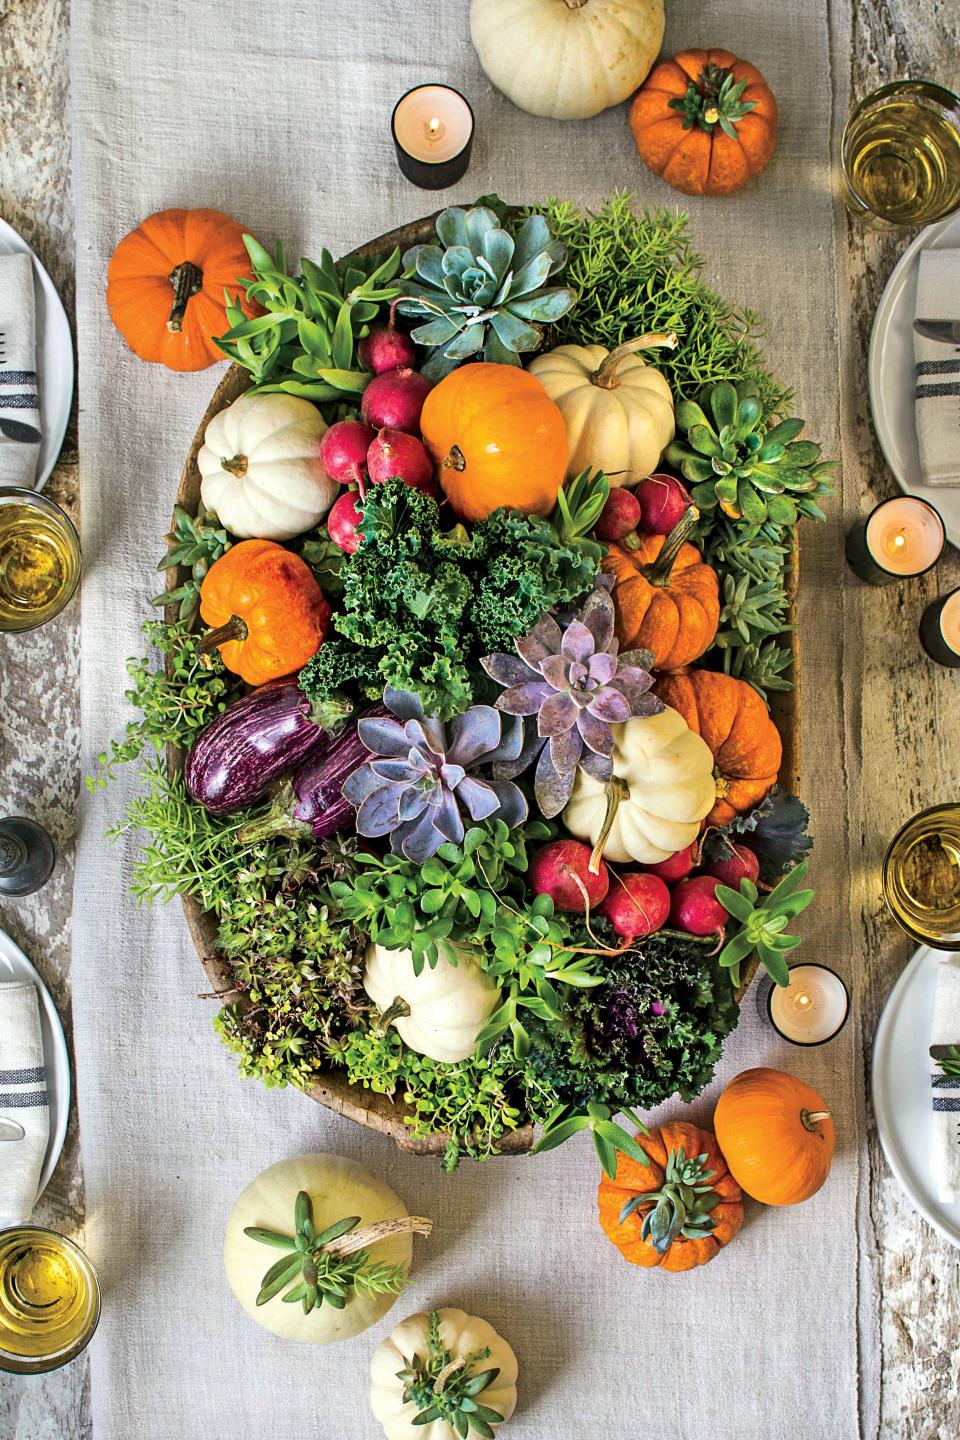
point(49, 1300)
point(940, 629)
point(812, 1009)
point(901, 538)
point(39, 559)
point(432, 128)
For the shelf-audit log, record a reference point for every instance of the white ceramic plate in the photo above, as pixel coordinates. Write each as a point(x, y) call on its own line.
point(892, 379)
point(54, 357)
point(901, 1088)
point(14, 965)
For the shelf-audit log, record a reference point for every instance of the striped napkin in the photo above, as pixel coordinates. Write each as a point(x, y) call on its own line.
point(937, 392)
point(19, 401)
point(945, 1091)
point(23, 1100)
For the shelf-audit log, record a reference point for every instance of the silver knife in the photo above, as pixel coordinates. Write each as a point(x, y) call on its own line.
point(946, 331)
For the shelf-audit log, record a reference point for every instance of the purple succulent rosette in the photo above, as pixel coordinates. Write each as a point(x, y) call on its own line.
point(421, 777)
point(573, 681)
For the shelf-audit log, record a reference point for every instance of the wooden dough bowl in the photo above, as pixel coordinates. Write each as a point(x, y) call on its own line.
point(379, 1112)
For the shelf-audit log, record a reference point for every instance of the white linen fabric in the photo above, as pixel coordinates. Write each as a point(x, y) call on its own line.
point(945, 1091)
point(19, 401)
point(282, 118)
point(937, 390)
point(23, 1099)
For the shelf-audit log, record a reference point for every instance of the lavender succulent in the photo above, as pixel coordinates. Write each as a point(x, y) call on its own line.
point(421, 778)
point(576, 685)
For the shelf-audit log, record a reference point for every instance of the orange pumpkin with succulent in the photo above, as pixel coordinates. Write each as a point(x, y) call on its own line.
point(166, 283)
point(734, 721)
point(677, 1212)
point(776, 1135)
point(497, 440)
point(705, 121)
point(667, 600)
point(268, 611)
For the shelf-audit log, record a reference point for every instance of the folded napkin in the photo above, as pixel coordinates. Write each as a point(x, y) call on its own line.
point(19, 402)
point(23, 1099)
point(938, 369)
point(945, 1090)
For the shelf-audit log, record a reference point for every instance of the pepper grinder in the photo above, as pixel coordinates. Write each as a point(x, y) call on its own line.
point(27, 856)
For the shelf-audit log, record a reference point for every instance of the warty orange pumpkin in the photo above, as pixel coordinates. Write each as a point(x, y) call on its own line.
point(679, 1211)
point(705, 121)
point(166, 282)
point(776, 1135)
point(268, 611)
point(734, 721)
point(497, 439)
point(667, 600)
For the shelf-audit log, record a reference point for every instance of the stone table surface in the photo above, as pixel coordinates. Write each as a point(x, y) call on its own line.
point(903, 723)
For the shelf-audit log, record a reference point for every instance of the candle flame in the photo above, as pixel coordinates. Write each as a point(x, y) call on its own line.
point(899, 540)
point(433, 128)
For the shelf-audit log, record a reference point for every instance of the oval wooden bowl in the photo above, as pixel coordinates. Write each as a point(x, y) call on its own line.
point(365, 1107)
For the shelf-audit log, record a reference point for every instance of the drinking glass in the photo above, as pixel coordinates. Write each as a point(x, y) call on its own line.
point(900, 153)
point(49, 1300)
point(39, 559)
point(921, 877)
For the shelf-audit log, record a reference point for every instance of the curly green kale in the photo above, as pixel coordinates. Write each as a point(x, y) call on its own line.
point(653, 1029)
point(419, 606)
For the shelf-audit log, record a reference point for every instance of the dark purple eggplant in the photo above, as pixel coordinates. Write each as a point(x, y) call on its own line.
point(311, 802)
point(251, 744)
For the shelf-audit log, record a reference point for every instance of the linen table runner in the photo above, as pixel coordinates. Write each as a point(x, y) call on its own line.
point(279, 114)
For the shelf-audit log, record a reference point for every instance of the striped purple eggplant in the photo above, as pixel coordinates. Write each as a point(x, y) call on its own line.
point(253, 742)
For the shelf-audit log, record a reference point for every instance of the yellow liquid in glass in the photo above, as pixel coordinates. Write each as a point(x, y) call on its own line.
point(39, 565)
point(49, 1300)
point(921, 877)
point(901, 156)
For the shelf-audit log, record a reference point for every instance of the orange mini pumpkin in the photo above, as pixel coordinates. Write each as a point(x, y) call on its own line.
point(677, 1212)
point(166, 282)
point(735, 722)
point(268, 610)
point(705, 121)
point(776, 1135)
point(497, 439)
point(666, 599)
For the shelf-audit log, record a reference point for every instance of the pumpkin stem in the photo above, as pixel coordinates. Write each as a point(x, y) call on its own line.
point(658, 572)
point(369, 1235)
point(617, 790)
point(396, 1011)
point(234, 465)
point(455, 460)
point(809, 1119)
point(631, 541)
point(187, 280)
point(606, 374)
point(235, 629)
point(575, 4)
point(447, 1373)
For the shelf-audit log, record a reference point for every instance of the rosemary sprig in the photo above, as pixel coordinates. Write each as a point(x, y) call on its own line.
point(442, 1387)
point(949, 1067)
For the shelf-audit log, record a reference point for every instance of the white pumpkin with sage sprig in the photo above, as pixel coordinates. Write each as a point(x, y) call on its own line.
point(438, 1012)
point(617, 409)
point(662, 786)
point(443, 1376)
point(317, 1249)
point(260, 467)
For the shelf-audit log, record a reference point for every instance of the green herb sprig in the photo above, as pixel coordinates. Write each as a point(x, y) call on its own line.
point(194, 542)
point(763, 923)
point(949, 1067)
point(441, 1388)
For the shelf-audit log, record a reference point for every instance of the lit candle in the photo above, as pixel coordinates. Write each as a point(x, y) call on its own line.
point(433, 131)
point(901, 537)
point(812, 1008)
point(940, 629)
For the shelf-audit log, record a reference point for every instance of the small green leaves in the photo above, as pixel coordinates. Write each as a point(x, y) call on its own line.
point(763, 923)
point(608, 1135)
point(443, 1386)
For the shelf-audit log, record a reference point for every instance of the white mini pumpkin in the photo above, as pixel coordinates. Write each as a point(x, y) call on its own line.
point(461, 1336)
point(617, 409)
point(662, 788)
point(439, 1012)
point(337, 1188)
point(261, 470)
point(567, 59)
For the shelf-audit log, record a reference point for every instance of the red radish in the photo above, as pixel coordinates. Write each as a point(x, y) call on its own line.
point(386, 348)
point(392, 452)
point(342, 522)
point(343, 452)
point(675, 867)
point(395, 400)
point(739, 864)
point(562, 871)
point(619, 516)
point(636, 904)
point(694, 906)
point(662, 501)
